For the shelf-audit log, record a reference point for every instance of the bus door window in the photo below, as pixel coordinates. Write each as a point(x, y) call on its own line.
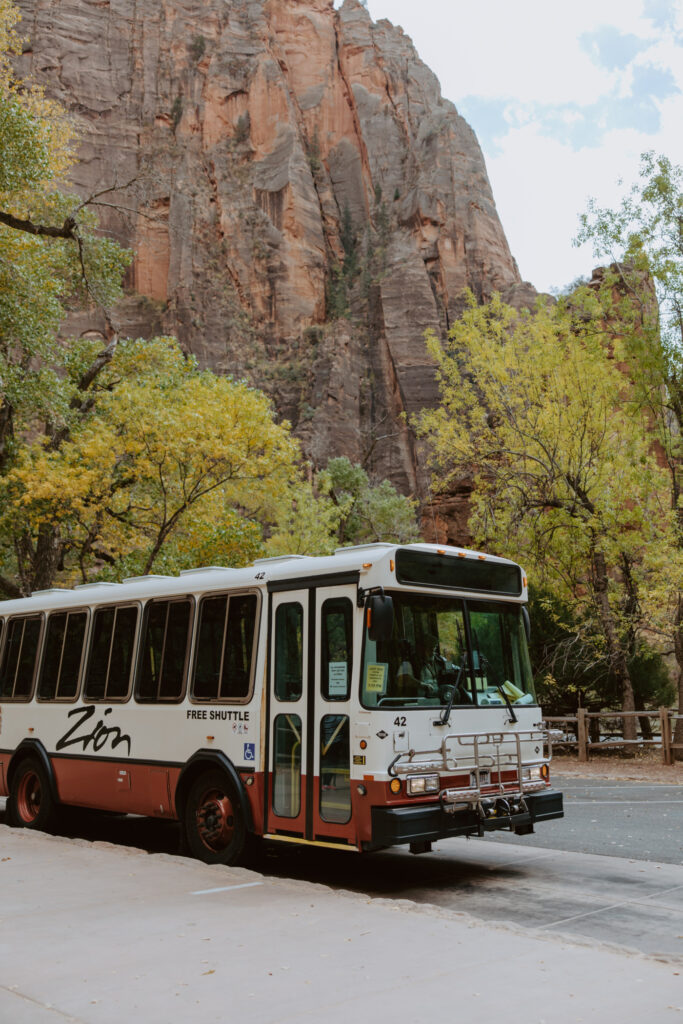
point(335, 789)
point(225, 648)
point(289, 651)
point(287, 734)
point(335, 682)
point(164, 650)
point(62, 656)
point(336, 648)
point(287, 766)
point(19, 656)
point(111, 653)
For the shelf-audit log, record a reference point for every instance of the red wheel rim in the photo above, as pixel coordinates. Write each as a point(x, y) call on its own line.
point(29, 796)
point(215, 820)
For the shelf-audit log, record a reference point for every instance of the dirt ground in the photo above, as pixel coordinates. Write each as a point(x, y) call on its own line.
point(641, 766)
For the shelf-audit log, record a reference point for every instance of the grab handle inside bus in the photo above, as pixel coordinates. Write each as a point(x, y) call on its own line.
point(379, 612)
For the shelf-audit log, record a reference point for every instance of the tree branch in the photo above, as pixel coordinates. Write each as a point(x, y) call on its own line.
point(67, 230)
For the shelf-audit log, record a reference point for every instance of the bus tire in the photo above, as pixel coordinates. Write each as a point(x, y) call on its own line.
point(214, 823)
point(31, 804)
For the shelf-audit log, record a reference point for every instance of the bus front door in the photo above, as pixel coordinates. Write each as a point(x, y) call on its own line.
point(311, 651)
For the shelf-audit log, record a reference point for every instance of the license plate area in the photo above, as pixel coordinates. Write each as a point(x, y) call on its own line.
point(484, 778)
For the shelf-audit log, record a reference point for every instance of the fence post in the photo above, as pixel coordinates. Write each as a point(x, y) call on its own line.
point(582, 734)
point(665, 726)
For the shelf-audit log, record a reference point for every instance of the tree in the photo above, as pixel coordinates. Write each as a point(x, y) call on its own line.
point(169, 464)
point(565, 479)
point(641, 294)
point(51, 252)
point(51, 256)
point(368, 512)
point(121, 458)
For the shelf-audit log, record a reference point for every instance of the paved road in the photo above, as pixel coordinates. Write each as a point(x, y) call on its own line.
point(618, 819)
point(613, 873)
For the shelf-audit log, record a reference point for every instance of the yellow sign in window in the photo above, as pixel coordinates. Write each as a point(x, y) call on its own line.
point(376, 678)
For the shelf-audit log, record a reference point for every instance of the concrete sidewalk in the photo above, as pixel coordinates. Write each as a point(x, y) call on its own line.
point(94, 933)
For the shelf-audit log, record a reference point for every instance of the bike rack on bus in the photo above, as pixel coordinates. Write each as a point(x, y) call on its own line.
point(506, 756)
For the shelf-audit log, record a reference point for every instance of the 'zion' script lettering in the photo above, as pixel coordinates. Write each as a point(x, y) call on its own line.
point(97, 736)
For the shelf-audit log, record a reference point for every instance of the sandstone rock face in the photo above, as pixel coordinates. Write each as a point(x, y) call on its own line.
point(305, 206)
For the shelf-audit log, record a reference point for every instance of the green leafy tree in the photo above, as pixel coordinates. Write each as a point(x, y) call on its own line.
point(565, 481)
point(640, 295)
point(368, 512)
point(51, 252)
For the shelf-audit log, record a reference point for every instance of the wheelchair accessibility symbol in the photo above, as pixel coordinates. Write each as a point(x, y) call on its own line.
point(249, 751)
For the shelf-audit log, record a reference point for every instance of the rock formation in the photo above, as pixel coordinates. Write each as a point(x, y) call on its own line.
point(306, 204)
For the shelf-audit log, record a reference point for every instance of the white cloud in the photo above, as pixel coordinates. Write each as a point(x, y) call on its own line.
point(518, 64)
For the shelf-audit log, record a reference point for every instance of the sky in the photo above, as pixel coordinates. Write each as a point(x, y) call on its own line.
point(563, 99)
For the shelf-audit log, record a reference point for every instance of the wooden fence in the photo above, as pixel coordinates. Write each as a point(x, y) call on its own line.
point(583, 731)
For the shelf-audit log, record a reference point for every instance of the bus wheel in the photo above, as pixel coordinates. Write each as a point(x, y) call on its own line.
point(31, 804)
point(214, 823)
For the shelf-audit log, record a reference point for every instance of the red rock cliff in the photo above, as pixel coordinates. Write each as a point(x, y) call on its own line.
point(293, 163)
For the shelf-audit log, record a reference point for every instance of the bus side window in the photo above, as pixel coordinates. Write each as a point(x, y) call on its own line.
point(337, 648)
point(225, 648)
point(209, 657)
point(164, 651)
point(62, 656)
point(239, 646)
point(289, 651)
point(19, 658)
point(111, 654)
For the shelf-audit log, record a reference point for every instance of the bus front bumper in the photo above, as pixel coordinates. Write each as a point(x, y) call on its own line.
point(426, 823)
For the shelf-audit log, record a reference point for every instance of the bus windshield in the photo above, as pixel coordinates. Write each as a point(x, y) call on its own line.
point(440, 645)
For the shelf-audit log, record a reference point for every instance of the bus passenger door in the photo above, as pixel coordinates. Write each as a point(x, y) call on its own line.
point(330, 704)
point(286, 788)
point(308, 788)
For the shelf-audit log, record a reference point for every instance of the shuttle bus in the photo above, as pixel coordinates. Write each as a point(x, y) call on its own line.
point(379, 696)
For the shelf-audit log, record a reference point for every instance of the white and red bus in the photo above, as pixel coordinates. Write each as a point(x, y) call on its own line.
point(378, 696)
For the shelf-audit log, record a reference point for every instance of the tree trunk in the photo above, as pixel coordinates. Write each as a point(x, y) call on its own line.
point(617, 656)
point(39, 563)
point(645, 721)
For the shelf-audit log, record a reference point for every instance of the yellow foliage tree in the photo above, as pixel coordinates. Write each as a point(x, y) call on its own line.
point(170, 465)
point(566, 481)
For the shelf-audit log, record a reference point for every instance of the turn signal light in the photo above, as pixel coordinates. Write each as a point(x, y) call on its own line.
point(395, 786)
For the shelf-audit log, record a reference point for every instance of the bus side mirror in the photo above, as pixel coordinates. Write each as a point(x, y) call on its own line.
point(380, 617)
point(527, 622)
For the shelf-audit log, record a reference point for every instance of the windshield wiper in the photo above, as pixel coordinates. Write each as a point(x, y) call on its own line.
point(445, 715)
point(513, 716)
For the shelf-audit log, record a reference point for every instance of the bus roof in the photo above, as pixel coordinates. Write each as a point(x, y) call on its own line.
point(370, 561)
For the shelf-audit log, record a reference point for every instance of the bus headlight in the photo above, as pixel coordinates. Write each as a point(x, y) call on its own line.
point(418, 785)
